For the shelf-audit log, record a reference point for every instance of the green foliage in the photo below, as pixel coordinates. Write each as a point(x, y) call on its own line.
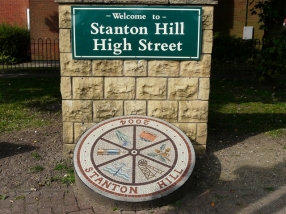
point(14, 43)
point(7, 59)
point(3, 197)
point(20, 197)
point(269, 189)
point(61, 166)
point(36, 156)
point(229, 49)
point(267, 13)
point(178, 204)
point(271, 62)
point(114, 209)
point(36, 169)
point(69, 177)
point(276, 133)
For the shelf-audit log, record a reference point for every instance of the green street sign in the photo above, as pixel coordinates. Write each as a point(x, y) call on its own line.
point(134, 32)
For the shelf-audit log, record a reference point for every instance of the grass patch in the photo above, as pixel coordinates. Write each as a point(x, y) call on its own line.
point(23, 100)
point(20, 197)
point(3, 197)
point(36, 169)
point(276, 132)
point(177, 204)
point(69, 177)
point(247, 106)
point(269, 189)
point(61, 166)
point(36, 156)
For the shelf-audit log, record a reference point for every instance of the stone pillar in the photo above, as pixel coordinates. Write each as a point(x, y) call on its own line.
point(95, 90)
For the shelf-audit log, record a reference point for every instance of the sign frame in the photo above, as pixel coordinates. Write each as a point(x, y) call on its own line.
point(178, 34)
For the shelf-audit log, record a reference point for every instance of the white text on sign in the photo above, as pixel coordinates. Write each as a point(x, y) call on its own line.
point(176, 28)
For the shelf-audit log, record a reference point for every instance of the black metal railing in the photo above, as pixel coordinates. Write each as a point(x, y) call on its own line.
point(43, 54)
point(232, 60)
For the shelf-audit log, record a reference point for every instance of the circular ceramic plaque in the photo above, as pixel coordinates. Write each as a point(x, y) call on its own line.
point(134, 158)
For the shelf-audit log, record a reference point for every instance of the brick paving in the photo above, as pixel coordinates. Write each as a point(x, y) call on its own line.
point(214, 200)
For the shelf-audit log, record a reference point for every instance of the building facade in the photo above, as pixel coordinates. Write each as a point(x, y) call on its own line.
point(14, 12)
point(40, 17)
point(230, 17)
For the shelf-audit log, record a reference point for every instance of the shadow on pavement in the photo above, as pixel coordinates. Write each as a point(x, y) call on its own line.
point(232, 197)
point(247, 177)
point(10, 149)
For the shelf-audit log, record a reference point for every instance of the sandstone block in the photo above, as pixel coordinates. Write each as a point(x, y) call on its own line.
point(92, 1)
point(182, 88)
point(190, 129)
point(163, 68)
point(64, 39)
point(105, 109)
point(107, 67)
point(66, 88)
point(151, 88)
point(119, 88)
point(202, 133)
point(207, 41)
point(199, 149)
point(204, 89)
point(87, 88)
point(71, 67)
point(135, 68)
point(137, 1)
point(200, 2)
point(80, 129)
point(135, 107)
point(69, 1)
point(77, 110)
point(68, 133)
point(64, 16)
point(166, 110)
point(197, 68)
point(208, 17)
point(68, 151)
point(193, 111)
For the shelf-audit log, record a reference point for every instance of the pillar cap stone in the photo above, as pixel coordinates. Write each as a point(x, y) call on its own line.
point(149, 2)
